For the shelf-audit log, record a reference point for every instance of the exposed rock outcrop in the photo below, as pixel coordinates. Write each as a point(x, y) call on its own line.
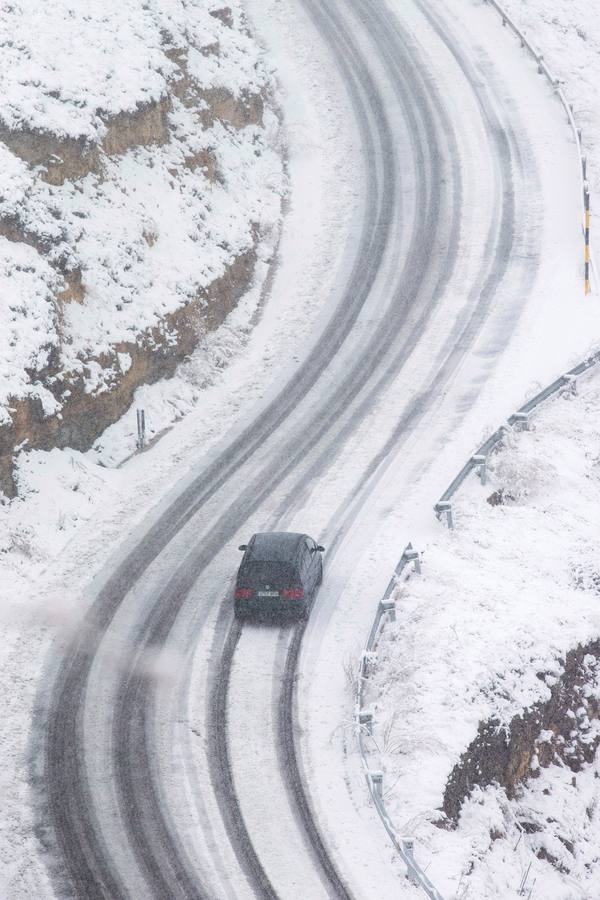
point(564, 727)
point(67, 159)
point(155, 354)
point(77, 385)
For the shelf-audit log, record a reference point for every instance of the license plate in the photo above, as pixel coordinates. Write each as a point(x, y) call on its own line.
point(268, 593)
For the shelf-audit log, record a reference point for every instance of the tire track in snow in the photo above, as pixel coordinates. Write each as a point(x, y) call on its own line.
point(67, 793)
point(70, 794)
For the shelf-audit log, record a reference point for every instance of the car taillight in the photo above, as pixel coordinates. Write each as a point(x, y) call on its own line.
point(243, 594)
point(293, 593)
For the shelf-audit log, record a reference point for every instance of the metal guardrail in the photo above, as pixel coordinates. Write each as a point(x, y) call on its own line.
point(386, 611)
point(478, 460)
point(519, 419)
point(543, 69)
point(364, 722)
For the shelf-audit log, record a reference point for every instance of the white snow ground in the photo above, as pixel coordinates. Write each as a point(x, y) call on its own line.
point(567, 33)
point(64, 72)
point(502, 598)
point(74, 511)
point(150, 227)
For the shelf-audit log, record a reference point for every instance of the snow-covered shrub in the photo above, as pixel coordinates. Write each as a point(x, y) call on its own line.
point(520, 474)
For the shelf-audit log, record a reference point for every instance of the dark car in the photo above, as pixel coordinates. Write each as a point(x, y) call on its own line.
point(280, 573)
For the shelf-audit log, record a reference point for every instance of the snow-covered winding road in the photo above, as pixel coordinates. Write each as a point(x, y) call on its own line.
point(173, 758)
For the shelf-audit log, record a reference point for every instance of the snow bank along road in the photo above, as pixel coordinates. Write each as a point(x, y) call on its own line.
point(171, 760)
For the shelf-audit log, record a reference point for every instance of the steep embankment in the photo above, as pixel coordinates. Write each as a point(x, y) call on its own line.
point(488, 686)
point(138, 177)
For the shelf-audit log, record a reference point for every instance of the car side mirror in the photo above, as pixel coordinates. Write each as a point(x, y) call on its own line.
point(320, 549)
point(243, 547)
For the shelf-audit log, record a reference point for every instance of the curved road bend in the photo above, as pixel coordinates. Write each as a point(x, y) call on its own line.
point(150, 791)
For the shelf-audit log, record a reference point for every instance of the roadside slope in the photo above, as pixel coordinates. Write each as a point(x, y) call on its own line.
point(140, 194)
point(491, 742)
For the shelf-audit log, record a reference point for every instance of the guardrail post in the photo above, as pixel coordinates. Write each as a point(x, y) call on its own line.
point(410, 871)
point(365, 720)
point(586, 204)
point(389, 607)
point(366, 658)
point(363, 665)
point(377, 783)
point(521, 421)
point(413, 556)
point(480, 463)
point(444, 508)
point(141, 429)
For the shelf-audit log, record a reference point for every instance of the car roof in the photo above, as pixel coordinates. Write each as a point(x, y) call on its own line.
point(275, 545)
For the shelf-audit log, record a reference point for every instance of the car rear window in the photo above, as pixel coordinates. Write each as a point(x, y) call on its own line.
point(257, 572)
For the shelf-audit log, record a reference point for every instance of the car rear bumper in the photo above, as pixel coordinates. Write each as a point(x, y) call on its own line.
point(269, 608)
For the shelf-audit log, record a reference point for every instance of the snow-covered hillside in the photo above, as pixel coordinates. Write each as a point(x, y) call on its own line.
point(567, 33)
point(487, 688)
point(140, 182)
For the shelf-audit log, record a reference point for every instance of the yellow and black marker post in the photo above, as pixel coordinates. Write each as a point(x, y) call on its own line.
point(586, 230)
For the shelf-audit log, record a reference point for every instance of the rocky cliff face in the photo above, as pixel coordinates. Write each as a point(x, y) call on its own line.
point(132, 205)
point(564, 729)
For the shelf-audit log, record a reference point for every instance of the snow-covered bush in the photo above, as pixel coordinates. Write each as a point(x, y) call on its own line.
point(520, 473)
